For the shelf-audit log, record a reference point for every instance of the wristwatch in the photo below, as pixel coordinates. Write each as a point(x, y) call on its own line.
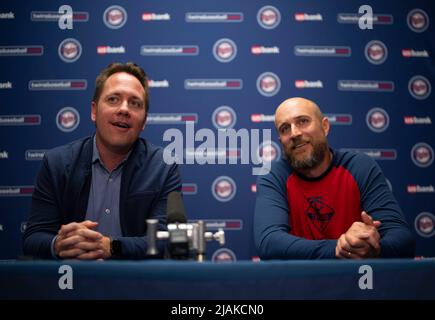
point(115, 248)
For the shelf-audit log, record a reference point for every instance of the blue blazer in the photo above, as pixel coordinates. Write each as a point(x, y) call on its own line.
point(62, 191)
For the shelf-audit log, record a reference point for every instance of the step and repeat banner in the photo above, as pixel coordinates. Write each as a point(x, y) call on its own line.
point(223, 65)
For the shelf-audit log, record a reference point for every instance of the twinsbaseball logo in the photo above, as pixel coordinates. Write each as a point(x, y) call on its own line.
point(339, 118)
point(20, 120)
point(268, 17)
point(322, 51)
point(67, 119)
point(268, 84)
point(424, 224)
point(16, 191)
point(365, 85)
point(115, 17)
point(23, 50)
point(419, 87)
point(70, 50)
point(418, 20)
point(189, 188)
point(377, 120)
point(169, 50)
point(377, 154)
point(422, 155)
point(223, 188)
point(376, 52)
point(213, 17)
point(224, 50)
point(224, 117)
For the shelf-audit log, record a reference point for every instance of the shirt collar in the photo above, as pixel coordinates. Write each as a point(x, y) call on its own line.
point(96, 155)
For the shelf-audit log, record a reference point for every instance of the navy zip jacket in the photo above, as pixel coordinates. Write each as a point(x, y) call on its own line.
point(62, 191)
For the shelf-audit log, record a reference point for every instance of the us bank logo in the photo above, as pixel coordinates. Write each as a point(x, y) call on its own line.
point(376, 52)
point(268, 17)
point(224, 117)
point(422, 155)
point(70, 50)
point(115, 17)
point(418, 20)
point(424, 224)
point(377, 120)
point(67, 119)
point(268, 84)
point(419, 87)
point(223, 188)
point(224, 50)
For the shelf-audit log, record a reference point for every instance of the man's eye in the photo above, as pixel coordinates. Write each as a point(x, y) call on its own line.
point(112, 99)
point(284, 129)
point(136, 103)
point(303, 121)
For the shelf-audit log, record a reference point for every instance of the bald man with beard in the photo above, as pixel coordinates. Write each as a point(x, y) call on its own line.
point(320, 203)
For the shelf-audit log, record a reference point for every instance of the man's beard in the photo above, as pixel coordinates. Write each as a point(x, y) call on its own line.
point(310, 161)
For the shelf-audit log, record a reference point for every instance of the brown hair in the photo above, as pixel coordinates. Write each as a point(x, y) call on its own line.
point(130, 68)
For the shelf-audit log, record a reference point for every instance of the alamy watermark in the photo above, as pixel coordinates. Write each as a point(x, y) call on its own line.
point(66, 278)
point(242, 144)
point(66, 17)
point(366, 280)
point(365, 21)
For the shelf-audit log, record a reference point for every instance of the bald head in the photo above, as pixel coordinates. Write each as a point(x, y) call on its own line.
point(302, 131)
point(300, 106)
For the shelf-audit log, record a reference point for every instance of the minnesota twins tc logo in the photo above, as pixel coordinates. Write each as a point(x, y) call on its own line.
point(319, 212)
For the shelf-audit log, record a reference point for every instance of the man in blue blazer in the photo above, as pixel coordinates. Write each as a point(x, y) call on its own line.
point(92, 196)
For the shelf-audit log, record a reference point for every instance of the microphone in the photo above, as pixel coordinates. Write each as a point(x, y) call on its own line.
point(178, 246)
point(175, 211)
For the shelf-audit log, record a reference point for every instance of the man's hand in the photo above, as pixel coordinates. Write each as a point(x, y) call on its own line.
point(362, 240)
point(78, 241)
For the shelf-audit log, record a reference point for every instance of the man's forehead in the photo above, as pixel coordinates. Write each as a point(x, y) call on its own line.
point(122, 81)
point(289, 115)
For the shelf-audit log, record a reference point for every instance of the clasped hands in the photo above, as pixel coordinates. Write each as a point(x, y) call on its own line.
point(361, 240)
point(78, 240)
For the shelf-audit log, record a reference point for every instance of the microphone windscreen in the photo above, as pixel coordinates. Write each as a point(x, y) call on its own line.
point(175, 211)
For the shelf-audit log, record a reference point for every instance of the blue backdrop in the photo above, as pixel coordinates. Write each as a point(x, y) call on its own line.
point(223, 64)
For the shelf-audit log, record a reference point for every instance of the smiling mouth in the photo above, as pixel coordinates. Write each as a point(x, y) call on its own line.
point(300, 145)
point(121, 125)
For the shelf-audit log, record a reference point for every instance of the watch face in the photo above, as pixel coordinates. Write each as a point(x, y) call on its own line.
point(116, 248)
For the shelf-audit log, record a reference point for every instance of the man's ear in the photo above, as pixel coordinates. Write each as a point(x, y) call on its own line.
point(93, 111)
point(325, 125)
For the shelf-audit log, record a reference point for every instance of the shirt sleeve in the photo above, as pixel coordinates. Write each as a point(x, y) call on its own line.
point(377, 200)
point(271, 225)
point(44, 219)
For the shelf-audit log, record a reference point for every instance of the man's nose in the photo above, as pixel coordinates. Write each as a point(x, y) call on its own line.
point(295, 131)
point(123, 108)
